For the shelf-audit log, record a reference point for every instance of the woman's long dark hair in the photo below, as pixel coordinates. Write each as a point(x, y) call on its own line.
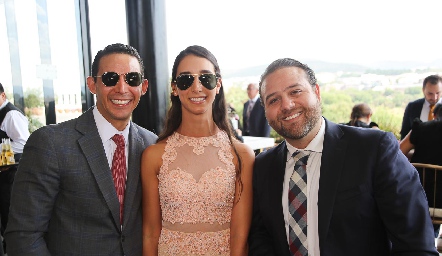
point(219, 107)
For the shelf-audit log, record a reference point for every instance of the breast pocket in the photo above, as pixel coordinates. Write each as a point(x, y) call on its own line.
point(349, 194)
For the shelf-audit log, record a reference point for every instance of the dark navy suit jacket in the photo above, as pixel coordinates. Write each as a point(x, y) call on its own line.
point(370, 200)
point(412, 111)
point(259, 127)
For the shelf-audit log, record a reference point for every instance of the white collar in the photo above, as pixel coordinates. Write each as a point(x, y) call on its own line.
point(106, 129)
point(255, 98)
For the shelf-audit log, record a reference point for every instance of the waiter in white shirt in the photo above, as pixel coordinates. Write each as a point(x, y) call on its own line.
point(13, 125)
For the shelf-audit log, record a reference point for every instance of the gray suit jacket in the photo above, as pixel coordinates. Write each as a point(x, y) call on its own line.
point(63, 198)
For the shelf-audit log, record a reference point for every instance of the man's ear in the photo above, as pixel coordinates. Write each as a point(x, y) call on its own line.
point(91, 84)
point(144, 86)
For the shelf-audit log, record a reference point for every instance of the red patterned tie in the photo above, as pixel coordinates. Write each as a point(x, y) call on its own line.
point(119, 170)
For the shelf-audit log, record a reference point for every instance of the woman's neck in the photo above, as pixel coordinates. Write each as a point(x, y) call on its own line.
point(197, 127)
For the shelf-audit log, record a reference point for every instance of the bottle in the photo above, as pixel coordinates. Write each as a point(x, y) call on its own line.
point(3, 154)
point(9, 154)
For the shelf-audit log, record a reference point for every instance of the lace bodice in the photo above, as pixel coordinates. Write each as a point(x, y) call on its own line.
point(197, 179)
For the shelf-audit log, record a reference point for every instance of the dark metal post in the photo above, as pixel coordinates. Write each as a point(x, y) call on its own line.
point(147, 33)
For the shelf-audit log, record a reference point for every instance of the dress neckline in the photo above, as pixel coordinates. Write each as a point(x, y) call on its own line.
point(203, 137)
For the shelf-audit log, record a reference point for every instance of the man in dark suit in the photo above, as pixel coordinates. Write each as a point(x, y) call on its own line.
point(254, 119)
point(64, 199)
point(421, 108)
point(425, 138)
point(357, 194)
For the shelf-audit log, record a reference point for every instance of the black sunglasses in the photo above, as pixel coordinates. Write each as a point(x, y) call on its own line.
point(184, 81)
point(111, 78)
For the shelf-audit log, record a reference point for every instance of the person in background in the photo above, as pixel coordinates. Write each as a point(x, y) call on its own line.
point(197, 179)
point(331, 189)
point(234, 120)
point(254, 119)
point(13, 125)
point(421, 108)
point(77, 190)
point(426, 140)
point(361, 117)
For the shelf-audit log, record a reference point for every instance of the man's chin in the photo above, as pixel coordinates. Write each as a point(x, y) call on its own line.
point(293, 133)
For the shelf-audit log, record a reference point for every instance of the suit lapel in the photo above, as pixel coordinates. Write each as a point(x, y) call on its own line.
point(275, 183)
point(418, 109)
point(333, 157)
point(136, 146)
point(93, 150)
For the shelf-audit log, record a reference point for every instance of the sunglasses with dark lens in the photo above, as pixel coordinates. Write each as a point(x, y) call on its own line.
point(184, 81)
point(111, 78)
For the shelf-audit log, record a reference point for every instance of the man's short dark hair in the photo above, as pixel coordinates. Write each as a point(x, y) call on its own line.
point(115, 48)
point(1, 88)
point(283, 63)
point(432, 79)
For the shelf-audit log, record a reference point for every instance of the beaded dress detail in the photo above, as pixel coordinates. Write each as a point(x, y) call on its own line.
point(197, 187)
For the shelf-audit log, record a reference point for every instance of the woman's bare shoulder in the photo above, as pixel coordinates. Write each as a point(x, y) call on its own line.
point(244, 151)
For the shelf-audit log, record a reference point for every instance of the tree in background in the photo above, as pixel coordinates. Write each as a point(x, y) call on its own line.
point(33, 101)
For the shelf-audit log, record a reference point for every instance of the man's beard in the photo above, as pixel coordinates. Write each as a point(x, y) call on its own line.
point(298, 130)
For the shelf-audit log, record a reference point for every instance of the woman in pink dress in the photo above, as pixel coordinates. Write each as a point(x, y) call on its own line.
point(197, 179)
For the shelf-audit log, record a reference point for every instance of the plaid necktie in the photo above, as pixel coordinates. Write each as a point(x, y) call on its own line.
point(298, 206)
point(119, 170)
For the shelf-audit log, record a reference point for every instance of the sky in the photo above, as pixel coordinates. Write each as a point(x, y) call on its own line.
point(244, 33)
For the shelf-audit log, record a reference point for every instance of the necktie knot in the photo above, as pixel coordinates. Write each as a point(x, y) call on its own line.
point(300, 157)
point(119, 140)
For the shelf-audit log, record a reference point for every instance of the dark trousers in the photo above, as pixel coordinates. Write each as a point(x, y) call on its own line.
point(6, 180)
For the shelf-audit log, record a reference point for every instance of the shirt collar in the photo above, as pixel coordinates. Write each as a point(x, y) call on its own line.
point(427, 104)
point(106, 129)
point(4, 103)
point(315, 145)
point(255, 98)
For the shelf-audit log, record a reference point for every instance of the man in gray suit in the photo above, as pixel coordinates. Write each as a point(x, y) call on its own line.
point(64, 200)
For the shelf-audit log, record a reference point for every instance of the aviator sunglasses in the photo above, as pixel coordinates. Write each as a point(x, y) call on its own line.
point(111, 78)
point(184, 81)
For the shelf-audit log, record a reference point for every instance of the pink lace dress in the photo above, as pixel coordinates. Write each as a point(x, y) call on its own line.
point(196, 186)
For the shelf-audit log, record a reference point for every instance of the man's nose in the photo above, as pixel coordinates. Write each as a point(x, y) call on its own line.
point(287, 103)
point(121, 85)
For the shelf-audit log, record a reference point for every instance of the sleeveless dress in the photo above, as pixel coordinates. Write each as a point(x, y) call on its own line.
point(197, 187)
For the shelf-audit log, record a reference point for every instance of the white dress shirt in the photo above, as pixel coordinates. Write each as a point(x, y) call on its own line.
point(313, 172)
point(107, 131)
point(16, 127)
point(426, 110)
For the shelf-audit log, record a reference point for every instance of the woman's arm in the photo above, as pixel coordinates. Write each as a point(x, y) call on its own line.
point(242, 208)
point(150, 164)
point(406, 145)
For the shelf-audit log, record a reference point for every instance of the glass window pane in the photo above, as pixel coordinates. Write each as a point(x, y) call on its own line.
point(42, 44)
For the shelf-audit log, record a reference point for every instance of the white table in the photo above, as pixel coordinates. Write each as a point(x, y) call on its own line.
point(259, 142)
